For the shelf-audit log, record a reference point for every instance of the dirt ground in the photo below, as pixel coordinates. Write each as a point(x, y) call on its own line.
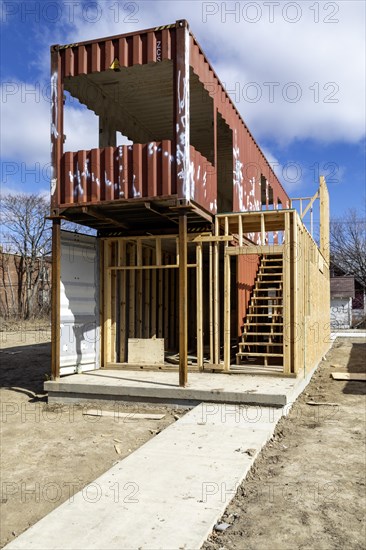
point(307, 489)
point(48, 452)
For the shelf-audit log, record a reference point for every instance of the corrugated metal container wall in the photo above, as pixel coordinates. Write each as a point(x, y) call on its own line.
point(155, 176)
point(249, 163)
point(131, 49)
point(247, 268)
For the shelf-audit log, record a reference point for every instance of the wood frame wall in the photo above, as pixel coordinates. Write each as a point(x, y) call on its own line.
point(306, 285)
point(151, 281)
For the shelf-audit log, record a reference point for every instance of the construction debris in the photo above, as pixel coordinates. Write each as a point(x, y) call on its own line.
point(222, 526)
point(130, 416)
point(356, 376)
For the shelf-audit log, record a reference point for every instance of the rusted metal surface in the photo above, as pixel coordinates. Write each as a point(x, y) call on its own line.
point(247, 268)
point(131, 171)
point(163, 160)
point(149, 46)
point(124, 172)
point(249, 163)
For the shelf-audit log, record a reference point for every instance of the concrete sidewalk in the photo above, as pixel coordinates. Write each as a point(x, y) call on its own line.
point(166, 495)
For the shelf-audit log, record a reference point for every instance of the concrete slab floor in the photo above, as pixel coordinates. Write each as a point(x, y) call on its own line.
point(163, 387)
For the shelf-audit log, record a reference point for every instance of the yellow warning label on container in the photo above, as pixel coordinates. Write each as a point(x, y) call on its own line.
point(115, 64)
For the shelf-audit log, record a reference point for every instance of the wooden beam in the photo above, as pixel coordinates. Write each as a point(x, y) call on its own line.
point(183, 301)
point(56, 302)
point(166, 301)
point(240, 227)
point(210, 286)
point(287, 299)
point(295, 321)
point(122, 304)
point(324, 219)
point(216, 297)
point(160, 303)
point(147, 300)
point(308, 206)
point(131, 294)
point(199, 306)
point(153, 307)
point(114, 304)
point(90, 211)
point(107, 314)
point(213, 238)
point(255, 249)
point(263, 230)
point(227, 312)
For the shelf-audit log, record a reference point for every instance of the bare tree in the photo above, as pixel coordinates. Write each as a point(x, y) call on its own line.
point(28, 235)
point(348, 244)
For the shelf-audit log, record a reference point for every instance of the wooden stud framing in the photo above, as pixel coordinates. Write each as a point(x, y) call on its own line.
point(153, 331)
point(263, 230)
point(113, 304)
point(147, 266)
point(160, 303)
point(295, 252)
point(183, 302)
point(172, 313)
point(199, 306)
point(287, 299)
point(132, 297)
point(211, 304)
point(324, 219)
point(216, 298)
point(147, 303)
point(122, 301)
point(107, 313)
point(166, 303)
point(227, 308)
point(56, 303)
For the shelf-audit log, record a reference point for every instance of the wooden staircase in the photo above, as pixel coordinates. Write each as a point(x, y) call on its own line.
point(261, 346)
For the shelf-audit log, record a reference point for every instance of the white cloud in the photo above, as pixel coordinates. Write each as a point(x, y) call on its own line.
point(26, 117)
point(324, 59)
point(305, 53)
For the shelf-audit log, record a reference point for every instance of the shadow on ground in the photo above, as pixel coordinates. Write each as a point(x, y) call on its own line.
point(24, 369)
point(356, 364)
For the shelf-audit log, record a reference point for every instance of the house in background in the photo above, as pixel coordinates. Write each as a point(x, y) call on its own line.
point(347, 299)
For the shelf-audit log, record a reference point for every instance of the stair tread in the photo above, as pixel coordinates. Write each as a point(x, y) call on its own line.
point(253, 353)
point(267, 305)
point(264, 315)
point(267, 298)
point(263, 334)
point(242, 344)
point(266, 324)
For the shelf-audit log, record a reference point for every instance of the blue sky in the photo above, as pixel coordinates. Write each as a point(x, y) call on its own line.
point(296, 71)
